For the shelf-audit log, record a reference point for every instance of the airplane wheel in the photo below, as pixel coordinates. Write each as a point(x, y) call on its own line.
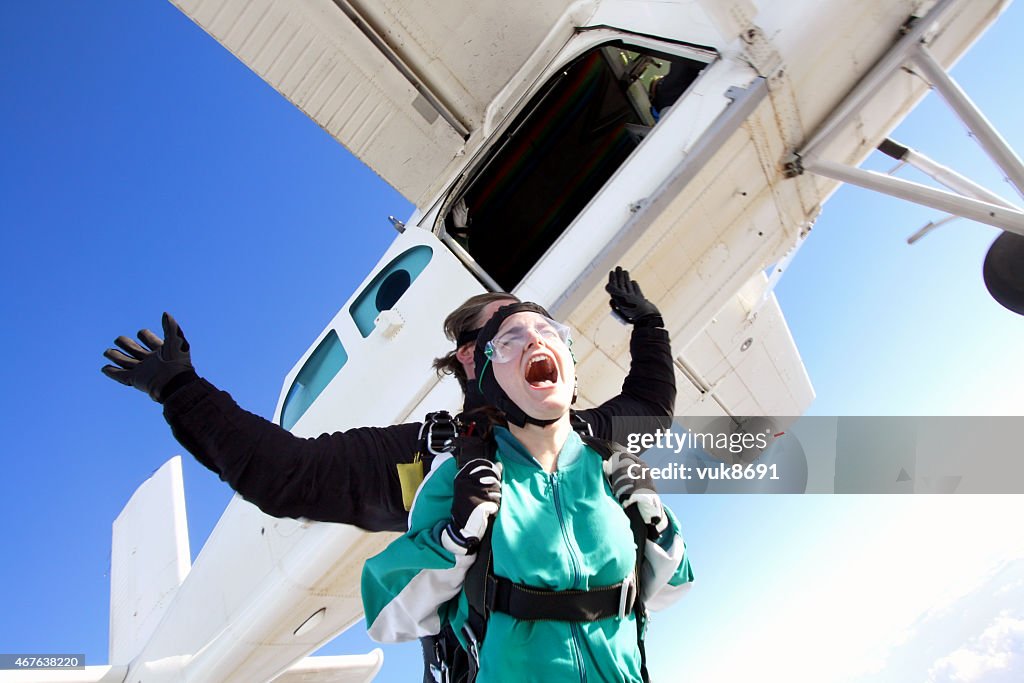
point(1004, 271)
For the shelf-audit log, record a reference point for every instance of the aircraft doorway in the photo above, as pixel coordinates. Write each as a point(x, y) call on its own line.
point(560, 151)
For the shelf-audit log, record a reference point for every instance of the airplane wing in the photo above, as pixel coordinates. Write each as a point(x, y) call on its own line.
point(400, 84)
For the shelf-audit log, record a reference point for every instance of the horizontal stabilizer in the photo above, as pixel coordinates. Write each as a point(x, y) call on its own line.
point(149, 559)
point(336, 669)
point(89, 674)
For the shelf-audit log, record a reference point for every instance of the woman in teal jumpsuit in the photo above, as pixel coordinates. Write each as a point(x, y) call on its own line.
point(558, 526)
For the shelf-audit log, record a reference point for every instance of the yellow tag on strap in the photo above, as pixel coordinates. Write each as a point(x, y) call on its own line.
point(410, 476)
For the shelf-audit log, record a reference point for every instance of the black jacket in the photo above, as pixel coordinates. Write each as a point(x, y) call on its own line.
point(351, 476)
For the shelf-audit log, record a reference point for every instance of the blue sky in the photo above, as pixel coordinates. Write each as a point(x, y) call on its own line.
point(144, 169)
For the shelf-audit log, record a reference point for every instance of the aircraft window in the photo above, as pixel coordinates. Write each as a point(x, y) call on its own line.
point(387, 288)
point(321, 367)
point(560, 151)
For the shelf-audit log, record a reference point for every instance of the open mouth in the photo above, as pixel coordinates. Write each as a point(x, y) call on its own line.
point(541, 371)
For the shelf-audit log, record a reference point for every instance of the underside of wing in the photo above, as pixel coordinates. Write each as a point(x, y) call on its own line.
point(401, 85)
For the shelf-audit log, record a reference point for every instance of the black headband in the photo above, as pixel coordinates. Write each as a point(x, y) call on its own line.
point(467, 336)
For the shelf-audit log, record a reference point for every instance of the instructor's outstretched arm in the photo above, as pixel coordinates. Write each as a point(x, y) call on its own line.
point(348, 477)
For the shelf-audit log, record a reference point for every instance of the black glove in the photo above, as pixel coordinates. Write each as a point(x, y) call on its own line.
point(629, 303)
point(164, 366)
point(632, 484)
point(475, 500)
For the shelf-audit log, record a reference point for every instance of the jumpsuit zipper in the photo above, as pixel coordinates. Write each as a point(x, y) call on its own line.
point(576, 574)
point(573, 561)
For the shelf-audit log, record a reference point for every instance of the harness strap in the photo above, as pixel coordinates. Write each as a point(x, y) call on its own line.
point(579, 425)
point(527, 603)
point(475, 584)
point(639, 529)
point(475, 587)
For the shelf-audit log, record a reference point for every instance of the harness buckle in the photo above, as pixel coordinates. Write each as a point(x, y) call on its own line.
point(627, 595)
point(437, 435)
point(439, 667)
point(474, 647)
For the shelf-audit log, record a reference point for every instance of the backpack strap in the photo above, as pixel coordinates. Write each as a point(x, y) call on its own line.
point(466, 437)
point(469, 447)
point(580, 425)
point(639, 528)
point(437, 436)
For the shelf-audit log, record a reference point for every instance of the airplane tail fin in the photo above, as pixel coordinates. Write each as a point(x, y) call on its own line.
point(148, 561)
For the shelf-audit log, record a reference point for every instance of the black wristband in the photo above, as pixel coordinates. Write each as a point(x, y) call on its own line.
point(652, 320)
point(177, 382)
point(469, 544)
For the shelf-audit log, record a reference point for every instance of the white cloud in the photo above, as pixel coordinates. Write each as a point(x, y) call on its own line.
point(1010, 588)
point(994, 656)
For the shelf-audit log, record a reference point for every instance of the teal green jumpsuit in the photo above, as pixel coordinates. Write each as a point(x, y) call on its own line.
point(558, 531)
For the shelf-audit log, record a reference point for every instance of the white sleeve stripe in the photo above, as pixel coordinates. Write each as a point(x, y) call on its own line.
point(659, 567)
point(413, 613)
point(668, 595)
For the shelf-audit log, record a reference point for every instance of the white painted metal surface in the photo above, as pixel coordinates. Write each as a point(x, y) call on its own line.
point(149, 558)
point(326, 65)
point(90, 674)
point(950, 178)
point(406, 353)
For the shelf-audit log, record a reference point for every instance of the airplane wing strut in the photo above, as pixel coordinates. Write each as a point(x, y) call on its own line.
point(1003, 276)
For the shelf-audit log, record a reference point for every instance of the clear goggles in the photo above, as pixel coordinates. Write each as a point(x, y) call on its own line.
point(519, 331)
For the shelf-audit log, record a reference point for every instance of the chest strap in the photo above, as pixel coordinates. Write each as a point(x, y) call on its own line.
point(527, 603)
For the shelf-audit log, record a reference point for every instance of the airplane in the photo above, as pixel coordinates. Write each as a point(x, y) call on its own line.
point(542, 143)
